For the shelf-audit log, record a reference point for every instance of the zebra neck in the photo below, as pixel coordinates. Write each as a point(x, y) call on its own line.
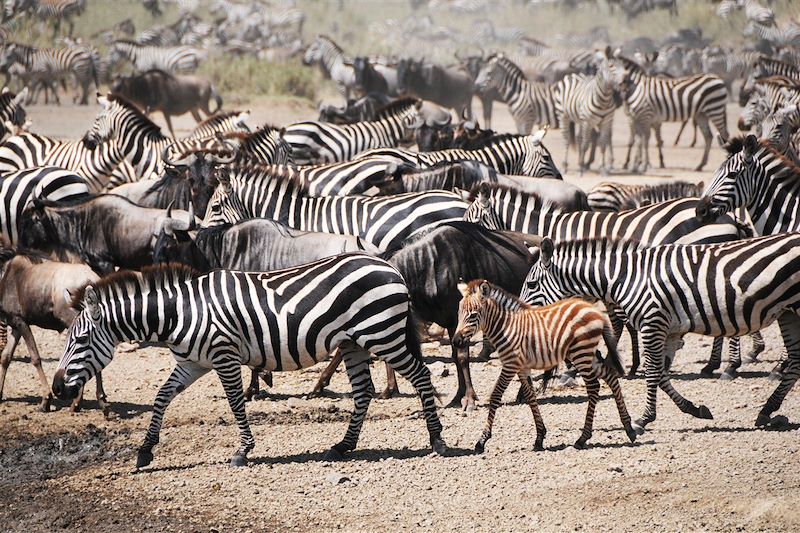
point(513, 87)
point(774, 204)
point(596, 268)
point(145, 314)
point(393, 126)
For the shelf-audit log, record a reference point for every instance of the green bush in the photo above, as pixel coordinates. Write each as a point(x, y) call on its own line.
point(248, 76)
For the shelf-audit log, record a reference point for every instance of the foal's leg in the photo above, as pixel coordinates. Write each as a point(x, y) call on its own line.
point(583, 362)
point(506, 375)
point(612, 380)
point(530, 396)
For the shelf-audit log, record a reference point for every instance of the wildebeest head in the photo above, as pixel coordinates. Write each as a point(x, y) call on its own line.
point(35, 227)
point(360, 67)
point(409, 75)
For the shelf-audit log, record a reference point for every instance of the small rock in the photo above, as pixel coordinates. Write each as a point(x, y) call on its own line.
point(294, 403)
point(615, 468)
point(335, 478)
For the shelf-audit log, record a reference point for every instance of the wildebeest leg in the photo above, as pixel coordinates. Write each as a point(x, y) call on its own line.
point(36, 361)
point(465, 395)
point(196, 115)
point(325, 378)
point(169, 124)
point(7, 355)
point(486, 351)
point(391, 384)
point(486, 103)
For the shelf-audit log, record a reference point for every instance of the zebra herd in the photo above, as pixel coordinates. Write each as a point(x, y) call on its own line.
point(278, 247)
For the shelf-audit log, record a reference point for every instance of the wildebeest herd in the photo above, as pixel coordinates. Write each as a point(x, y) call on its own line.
point(276, 247)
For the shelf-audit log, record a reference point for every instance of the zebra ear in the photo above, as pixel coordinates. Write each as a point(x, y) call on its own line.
point(485, 288)
point(283, 132)
point(91, 302)
point(750, 147)
point(103, 101)
point(462, 288)
point(536, 137)
point(546, 248)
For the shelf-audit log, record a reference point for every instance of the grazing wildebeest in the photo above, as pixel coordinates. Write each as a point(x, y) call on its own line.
point(365, 109)
point(173, 95)
point(447, 86)
point(32, 293)
point(105, 231)
point(433, 264)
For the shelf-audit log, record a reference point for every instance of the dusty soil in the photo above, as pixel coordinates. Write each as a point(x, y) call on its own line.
point(63, 470)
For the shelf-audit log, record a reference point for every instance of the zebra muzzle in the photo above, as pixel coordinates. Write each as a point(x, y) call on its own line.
point(61, 390)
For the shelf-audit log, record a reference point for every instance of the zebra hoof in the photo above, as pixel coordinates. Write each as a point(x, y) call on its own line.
point(638, 427)
point(439, 446)
point(631, 433)
point(333, 455)
point(728, 376)
point(238, 460)
point(703, 412)
point(775, 376)
point(580, 444)
point(143, 458)
point(480, 446)
point(762, 420)
point(707, 372)
point(538, 447)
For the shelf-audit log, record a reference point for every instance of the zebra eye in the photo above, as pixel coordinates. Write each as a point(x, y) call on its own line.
point(532, 284)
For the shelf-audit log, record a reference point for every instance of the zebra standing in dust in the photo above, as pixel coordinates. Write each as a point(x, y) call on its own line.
point(57, 10)
point(702, 98)
point(322, 142)
point(529, 103)
point(540, 338)
point(333, 63)
point(588, 104)
point(383, 221)
point(12, 114)
point(509, 154)
point(278, 321)
point(18, 189)
point(179, 59)
point(671, 290)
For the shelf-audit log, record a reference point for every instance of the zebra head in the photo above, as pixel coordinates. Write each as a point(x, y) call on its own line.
point(314, 53)
point(470, 310)
point(538, 162)
point(541, 285)
point(490, 76)
point(103, 128)
point(89, 347)
point(734, 182)
point(755, 112)
point(482, 212)
point(225, 206)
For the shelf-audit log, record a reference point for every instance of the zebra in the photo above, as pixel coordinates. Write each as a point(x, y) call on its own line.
point(589, 104)
point(729, 65)
point(18, 189)
point(612, 196)
point(509, 154)
point(766, 67)
point(702, 98)
point(383, 221)
point(12, 114)
point(223, 122)
point(671, 290)
point(57, 10)
point(779, 38)
point(529, 338)
point(278, 321)
point(333, 63)
point(45, 66)
point(180, 59)
point(322, 142)
point(529, 103)
point(498, 207)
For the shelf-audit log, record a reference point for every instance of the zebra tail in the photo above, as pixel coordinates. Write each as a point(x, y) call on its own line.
point(612, 360)
point(217, 99)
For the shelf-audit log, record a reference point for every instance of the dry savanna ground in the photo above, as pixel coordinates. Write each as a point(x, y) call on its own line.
point(60, 470)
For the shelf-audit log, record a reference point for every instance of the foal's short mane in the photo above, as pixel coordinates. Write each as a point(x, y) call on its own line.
point(736, 145)
point(501, 296)
point(150, 276)
point(218, 118)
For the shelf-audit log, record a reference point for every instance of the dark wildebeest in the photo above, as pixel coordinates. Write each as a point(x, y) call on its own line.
point(255, 245)
point(105, 231)
point(32, 293)
point(433, 263)
point(473, 65)
point(447, 86)
point(365, 109)
point(369, 80)
point(173, 95)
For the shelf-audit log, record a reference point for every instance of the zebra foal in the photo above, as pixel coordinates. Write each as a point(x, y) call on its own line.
point(279, 321)
point(528, 338)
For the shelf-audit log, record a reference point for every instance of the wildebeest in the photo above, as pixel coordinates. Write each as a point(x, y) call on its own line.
point(432, 265)
point(369, 80)
point(173, 95)
point(32, 293)
point(105, 231)
point(365, 109)
point(447, 86)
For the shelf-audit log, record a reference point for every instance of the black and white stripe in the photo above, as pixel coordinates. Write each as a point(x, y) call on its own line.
point(143, 58)
point(11, 112)
point(324, 52)
point(279, 321)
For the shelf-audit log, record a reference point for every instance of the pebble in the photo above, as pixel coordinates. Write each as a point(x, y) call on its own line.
point(335, 478)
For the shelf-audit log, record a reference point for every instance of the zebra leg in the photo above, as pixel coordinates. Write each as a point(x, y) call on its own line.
point(680, 132)
point(36, 361)
point(790, 331)
point(506, 375)
point(229, 371)
point(325, 378)
point(611, 378)
point(659, 144)
point(184, 374)
point(776, 374)
point(758, 348)
point(698, 411)
point(694, 133)
point(631, 141)
point(705, 129)
point(530, 397)
point(635, 355)
point(584, 366)
point(391, 384)
point(731, 372)
point(715, 361)
point(7, 356)
point(100, 394)
point(356, 361)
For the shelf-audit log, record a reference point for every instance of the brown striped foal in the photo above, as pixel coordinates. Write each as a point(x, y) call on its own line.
point(539, 338)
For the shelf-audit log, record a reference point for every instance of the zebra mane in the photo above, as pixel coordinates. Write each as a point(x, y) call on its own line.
point(217, 118)
point(736, 145)
point(246, 137)
point(661, 192)
point(507, 64)
point(150, 278)
point(280, 173)
point(592, 245)
point(505, 299)
point(629, 64)
point(539, 203)
point(777, 81)
point(129, 42)
point(149, 126)
point(331, 42)
point(395, 107)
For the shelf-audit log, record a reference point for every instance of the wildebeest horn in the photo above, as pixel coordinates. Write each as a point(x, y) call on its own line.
point(170, 225)
point(192, 221)
point(184, 161)
point(234, 150)
point(430, 121)
point(20, 97)
point(417, 123)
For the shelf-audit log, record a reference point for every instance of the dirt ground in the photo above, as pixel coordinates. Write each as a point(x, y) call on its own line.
point(60, 470)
